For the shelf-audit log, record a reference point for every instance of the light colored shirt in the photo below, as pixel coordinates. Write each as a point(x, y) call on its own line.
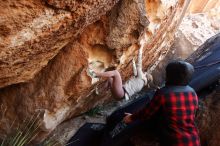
point(132, 86)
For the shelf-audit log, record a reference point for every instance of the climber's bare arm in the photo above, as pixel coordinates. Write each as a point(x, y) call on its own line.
point(107, 74)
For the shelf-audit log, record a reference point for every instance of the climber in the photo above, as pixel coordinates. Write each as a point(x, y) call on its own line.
point(175, 106)
point(133, 85)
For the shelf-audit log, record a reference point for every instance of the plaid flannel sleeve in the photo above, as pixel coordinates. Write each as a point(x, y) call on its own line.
point(152, 107)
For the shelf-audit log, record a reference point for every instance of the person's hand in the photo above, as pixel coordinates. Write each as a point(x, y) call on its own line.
point(127, 119)
point(91, 73)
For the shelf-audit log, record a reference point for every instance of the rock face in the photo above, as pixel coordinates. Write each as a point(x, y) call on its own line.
point(201, 22)
point(47, 46)
point(199, 6)
point(194, 30)
point(33, 33)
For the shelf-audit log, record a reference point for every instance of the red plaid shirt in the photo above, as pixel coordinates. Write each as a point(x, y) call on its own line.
point(176, 106)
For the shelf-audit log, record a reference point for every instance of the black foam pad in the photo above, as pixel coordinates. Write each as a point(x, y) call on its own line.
point(89, 134)
point(207, 68)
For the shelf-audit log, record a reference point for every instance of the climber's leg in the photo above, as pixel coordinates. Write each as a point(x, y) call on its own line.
point(114, 78)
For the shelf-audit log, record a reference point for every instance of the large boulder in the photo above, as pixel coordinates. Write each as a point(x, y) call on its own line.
point(195, 28)
point(32, 33)
point(47, 46)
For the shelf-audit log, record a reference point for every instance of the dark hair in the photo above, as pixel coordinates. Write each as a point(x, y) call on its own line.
point(179, 73)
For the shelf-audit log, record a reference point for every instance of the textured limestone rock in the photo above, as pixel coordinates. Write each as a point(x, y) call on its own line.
point(200, 23)
point(126, 26)
point(32, 33)
point(199, 6)
point(52, 62)
point(194, 30)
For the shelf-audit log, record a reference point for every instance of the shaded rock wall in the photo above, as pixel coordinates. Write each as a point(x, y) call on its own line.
point(53, 43)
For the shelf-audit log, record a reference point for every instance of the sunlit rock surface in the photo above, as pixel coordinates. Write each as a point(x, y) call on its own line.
point(200, 6)
point(194, 30)
point(201, 22)
point(47, 47)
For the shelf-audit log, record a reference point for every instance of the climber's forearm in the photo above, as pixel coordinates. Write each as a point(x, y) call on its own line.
point(107, 74)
